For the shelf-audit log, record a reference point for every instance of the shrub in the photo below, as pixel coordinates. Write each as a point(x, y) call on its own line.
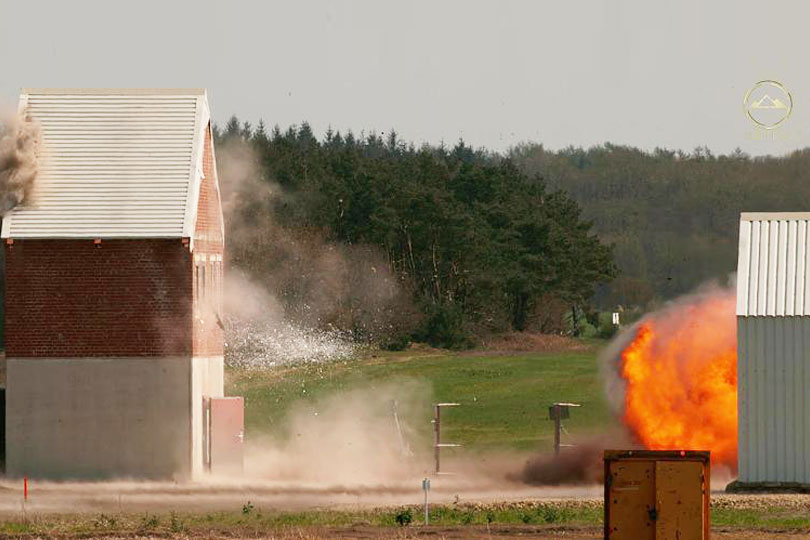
point(550, 514)
point(149, 522)
point(103, 521)
point(398, 342)
point(404, 517)
point(175, 523)
point(606, 327)
point(443, 326)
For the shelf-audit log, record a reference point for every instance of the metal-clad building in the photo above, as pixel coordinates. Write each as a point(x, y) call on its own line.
point(773, 344)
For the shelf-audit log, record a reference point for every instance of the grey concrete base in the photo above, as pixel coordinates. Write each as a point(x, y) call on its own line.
point(767, 487)
point(96, 418)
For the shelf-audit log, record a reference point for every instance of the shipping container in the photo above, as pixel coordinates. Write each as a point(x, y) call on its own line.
point(656, 495)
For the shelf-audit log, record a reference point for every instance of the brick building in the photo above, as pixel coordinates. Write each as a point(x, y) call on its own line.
point(113, 288)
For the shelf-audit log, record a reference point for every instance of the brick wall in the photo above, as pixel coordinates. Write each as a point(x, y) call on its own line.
point(73, 298)
point(208, 337)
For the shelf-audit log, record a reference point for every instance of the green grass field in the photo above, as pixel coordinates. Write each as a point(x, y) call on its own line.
point(504, 399)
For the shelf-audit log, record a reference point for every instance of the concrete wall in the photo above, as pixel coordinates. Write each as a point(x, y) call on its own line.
point(207, 380)
point(773, 399)
point(89, 418)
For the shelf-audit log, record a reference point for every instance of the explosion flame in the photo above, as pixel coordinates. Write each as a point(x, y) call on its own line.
point(680, 374)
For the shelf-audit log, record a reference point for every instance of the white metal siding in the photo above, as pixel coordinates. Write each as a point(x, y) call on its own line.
point(112, 164)
point(772, 265)
point(773, 405)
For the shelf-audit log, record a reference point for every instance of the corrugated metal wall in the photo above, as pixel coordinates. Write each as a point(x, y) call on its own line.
point(773, 345)
point(773, 382)
point(772, 267)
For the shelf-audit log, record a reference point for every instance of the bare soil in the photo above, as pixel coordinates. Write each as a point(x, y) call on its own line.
point(519, 342)
point(467, 532)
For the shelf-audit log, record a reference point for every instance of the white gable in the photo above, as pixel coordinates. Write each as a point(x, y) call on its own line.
point(113, 164)
point(773, 263)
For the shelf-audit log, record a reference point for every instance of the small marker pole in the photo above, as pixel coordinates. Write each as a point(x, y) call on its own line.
point(25, 488)
point(426, 488)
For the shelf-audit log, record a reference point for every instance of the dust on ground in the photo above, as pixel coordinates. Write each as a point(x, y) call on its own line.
point(122, 496)
point(141, 496)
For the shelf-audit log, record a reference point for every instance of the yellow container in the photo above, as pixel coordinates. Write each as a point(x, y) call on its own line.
point(656, 495)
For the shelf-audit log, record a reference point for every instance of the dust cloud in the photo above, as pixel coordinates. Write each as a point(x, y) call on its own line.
point(579, 464)
point(291, 294)
point(259, 336)
point(351, 438)
point(19, 141)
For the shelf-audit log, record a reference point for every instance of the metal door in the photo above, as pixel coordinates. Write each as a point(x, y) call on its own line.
point(226, 435)
point(632, 500)
point(656, 495)
point(679, 488)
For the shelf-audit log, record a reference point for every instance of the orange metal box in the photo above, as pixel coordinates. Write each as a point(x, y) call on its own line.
point(656, 495)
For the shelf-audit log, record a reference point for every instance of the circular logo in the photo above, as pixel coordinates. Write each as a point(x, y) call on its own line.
point(768, 104)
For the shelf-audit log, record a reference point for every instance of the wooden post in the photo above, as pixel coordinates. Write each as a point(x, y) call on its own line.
point(437, 433)
point(437, 437)
point(557, 429)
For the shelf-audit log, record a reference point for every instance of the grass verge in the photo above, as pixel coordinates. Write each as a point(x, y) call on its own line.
point(504, 398)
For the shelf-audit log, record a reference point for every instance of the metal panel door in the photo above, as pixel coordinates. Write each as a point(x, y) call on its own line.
point(226, 434)
point(679, 487)
point(632, 500)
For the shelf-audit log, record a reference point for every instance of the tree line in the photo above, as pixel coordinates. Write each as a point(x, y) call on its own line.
point(672, 217)
point(478, 243)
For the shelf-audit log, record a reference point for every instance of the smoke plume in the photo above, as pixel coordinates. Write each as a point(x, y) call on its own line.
point(292, 294)
point(580, 464)
point(19, 140)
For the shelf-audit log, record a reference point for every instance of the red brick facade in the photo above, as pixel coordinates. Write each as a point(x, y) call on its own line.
point(119, 297)
point(75, 298)
point(208, 334)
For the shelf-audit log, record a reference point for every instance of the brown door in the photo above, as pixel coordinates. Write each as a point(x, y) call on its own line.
point(226, 435)
point(656, 500)
point(679, 499)
point(631, 500)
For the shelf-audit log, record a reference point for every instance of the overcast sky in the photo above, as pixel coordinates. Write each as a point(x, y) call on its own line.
point(497, 73)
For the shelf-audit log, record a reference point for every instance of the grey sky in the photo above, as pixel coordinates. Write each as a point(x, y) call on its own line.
point(496, 73)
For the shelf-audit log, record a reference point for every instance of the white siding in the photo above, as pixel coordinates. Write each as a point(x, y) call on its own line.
point(771, 266)
point(113, 164)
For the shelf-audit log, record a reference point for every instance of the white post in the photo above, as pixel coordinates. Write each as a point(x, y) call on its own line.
point(426, 488)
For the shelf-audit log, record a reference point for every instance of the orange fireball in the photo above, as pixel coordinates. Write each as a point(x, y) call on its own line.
point(680, 373)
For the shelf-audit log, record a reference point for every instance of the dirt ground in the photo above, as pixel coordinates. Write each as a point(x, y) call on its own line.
point(138, 497)
point(54, 498)
point(526, 532)
point(468, 532)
